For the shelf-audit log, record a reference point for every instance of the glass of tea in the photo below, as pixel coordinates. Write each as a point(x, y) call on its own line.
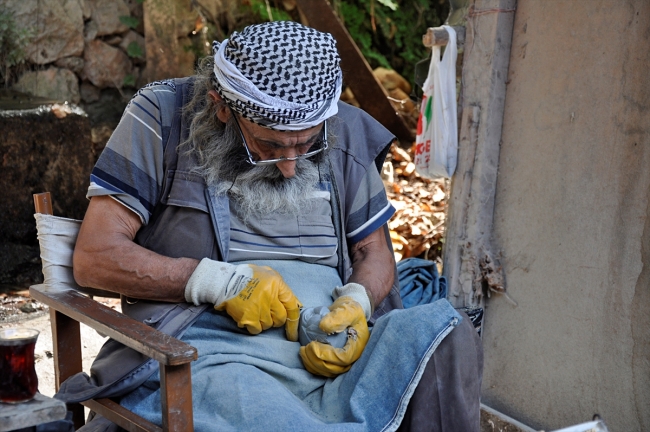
point(18, 380)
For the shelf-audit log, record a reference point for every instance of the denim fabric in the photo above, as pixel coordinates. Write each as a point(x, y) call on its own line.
point(419, 282)
point(243, 383)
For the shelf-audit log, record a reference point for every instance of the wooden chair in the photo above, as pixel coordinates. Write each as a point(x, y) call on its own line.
point(69, 307)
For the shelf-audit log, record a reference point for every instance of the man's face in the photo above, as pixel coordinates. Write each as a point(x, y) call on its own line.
point(265, 144)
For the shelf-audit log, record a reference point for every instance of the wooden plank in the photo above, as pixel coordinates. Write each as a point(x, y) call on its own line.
point(176, 397)
point(43, 203)
point(66, 347)
point(469, 255)
point(134, 334)
point(438, 36)
point(356, 71)
point(121, 416)
point(41, 409)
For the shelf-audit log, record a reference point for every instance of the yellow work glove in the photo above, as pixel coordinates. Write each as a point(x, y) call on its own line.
point(346, 314)
point(265, 301)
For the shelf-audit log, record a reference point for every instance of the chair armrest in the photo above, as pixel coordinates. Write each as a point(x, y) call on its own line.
point(134, 334)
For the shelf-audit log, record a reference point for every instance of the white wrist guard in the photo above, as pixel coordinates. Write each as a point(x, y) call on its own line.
point(358, 294)
point(215, 282)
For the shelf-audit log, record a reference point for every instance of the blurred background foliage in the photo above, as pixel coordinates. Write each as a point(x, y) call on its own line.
point(388, 32)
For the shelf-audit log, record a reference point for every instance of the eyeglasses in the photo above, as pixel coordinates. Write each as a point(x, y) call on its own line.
point(321, 145)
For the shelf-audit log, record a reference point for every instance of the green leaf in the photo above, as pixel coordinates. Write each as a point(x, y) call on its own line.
point(139, 1)
point(129, 21)
point(134, 50)
point(388, 3)
point(129, 81)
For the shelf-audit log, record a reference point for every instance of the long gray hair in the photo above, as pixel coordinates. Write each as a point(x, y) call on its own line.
point(220, 158)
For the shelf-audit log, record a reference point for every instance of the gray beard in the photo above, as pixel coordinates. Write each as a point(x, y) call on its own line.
point(258, 190)
point(263, 191)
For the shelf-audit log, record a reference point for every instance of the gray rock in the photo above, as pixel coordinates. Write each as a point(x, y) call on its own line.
point(131, 37)
point(115, 40)
point(75, 64)
point(57, 25)
point(137, 11)
point(89, 93)
point(40, 153)
point(109, 108)
point(53, 83)
point(105, 65)
point(85, 9)
point(107, 13)
point(309, 330)
point(90, 30)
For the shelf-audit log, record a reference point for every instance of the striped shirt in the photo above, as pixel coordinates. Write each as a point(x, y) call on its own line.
point(130, 169)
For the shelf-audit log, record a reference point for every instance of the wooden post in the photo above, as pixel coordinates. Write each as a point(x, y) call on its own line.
point(470, 261)
point(66, 344)
point(438, 36)
point(43, 203)
point(176, 397)
point(160, 39)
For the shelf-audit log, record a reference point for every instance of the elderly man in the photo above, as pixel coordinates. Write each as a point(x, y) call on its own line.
point(227, 202)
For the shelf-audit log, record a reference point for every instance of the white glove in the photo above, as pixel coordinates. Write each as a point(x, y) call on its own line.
point(215, 282)
point(358, 293)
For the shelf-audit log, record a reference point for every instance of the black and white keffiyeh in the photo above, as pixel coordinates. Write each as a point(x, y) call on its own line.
point(280, 75)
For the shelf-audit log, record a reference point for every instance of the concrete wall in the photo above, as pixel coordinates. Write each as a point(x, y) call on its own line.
point(572, 218)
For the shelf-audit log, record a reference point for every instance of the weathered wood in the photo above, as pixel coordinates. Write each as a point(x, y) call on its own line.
point(121, 416)
point(43, 203)
point(39, 410)
point(438, 36)
point(176, 397)
point(134, 334)
point(66, 347)
point(470, 261)
point(356, 71)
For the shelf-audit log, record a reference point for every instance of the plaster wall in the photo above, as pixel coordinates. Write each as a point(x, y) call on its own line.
point(572, 219)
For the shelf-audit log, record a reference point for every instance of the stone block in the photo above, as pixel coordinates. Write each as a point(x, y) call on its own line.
point(75, 64)
point(37, 411)
point(57, 25)
point(105, 66)
point(107, 13)
point(53, 83)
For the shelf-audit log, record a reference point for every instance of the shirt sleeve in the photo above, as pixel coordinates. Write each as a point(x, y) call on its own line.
point(370, 209)
point(130, 168)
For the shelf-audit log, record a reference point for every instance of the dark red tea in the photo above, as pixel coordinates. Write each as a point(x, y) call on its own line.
point(18, 380)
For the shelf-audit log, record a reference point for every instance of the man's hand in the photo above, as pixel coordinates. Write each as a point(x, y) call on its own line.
point(346, 314)
point(265, 300)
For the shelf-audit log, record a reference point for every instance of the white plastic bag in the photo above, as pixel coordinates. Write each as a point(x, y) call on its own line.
point(436, 144)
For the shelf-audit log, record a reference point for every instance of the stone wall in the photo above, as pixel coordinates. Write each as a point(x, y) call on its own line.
point(80, 47)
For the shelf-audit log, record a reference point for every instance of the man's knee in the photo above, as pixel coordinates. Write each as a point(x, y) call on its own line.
point(448, 395)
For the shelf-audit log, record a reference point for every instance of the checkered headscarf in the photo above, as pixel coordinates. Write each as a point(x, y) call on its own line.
point(280, 75)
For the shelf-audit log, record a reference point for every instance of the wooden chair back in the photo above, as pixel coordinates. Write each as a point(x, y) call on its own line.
point(69, 308)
